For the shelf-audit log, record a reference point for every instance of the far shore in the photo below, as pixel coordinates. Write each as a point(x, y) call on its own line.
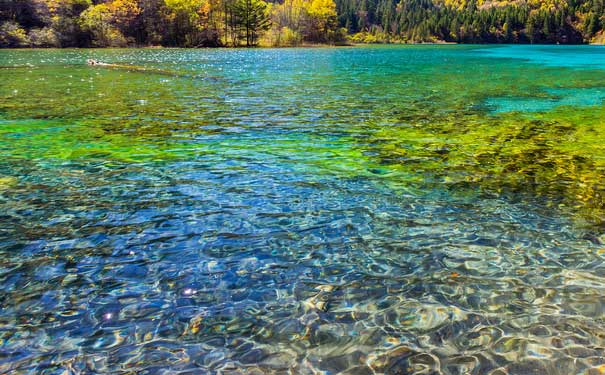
point(310, 45)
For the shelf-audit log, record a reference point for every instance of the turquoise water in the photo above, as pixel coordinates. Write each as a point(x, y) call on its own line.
point(554, 98)
point(397, 210)
point(575, 57)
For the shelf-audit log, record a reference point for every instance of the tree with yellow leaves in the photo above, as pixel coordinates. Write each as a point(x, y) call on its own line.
point(322, 19)
point(191, 23)
point(111, 23)
point(312, 21)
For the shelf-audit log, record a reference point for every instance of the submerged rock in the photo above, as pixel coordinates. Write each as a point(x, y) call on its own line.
point(7, 182)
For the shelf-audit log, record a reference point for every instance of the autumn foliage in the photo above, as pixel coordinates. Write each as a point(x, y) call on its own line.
point(183, 23)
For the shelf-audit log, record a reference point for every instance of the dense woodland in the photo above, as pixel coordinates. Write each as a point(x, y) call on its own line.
point(214, 23)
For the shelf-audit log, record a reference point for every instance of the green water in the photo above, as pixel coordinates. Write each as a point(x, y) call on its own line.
point(398, 210)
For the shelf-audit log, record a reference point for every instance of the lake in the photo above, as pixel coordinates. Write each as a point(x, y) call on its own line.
point(363, 210)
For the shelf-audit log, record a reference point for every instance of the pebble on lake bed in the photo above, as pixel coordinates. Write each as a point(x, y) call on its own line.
point(319, 301)
point(195, 323)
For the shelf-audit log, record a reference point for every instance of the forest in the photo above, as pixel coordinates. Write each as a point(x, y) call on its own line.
point(234, 23)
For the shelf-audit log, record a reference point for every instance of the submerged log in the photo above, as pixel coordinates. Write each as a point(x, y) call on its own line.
point(132, 68)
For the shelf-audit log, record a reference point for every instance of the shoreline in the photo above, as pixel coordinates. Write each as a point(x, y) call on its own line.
point(347, 45)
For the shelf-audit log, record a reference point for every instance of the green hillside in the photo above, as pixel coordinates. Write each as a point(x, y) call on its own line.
point(553, 21)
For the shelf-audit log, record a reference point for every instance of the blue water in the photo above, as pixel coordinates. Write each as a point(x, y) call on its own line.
point(297, 211)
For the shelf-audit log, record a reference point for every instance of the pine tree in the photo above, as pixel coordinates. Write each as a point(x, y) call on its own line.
point(251, 17)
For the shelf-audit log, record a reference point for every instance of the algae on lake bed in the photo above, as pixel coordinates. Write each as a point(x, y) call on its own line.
point(454, 139)
point(384, 209)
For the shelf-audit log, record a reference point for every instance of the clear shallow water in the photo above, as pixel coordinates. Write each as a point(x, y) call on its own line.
point(354, 210)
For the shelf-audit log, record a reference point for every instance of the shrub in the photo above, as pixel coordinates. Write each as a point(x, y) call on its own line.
point(45, 37)
point(283, 37)
point(12, 35)
point(338, 36)
point(290, 37)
